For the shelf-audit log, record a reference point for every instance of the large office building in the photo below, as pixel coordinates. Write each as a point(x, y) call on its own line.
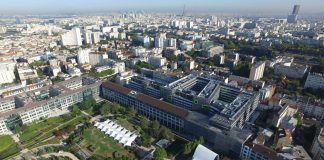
point(72, 38)
point(45, 102)
point(142, 94)
point(315, 81)
point(257, 71)
point(226, 105)
point(168, 114)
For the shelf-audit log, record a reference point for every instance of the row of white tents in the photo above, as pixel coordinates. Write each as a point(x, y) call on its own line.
point(119, 133)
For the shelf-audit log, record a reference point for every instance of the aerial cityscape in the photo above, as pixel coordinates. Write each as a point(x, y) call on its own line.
point(162, 80)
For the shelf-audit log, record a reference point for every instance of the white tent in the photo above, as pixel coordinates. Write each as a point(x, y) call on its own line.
point(100, 126)
point(203, 153)
point(117, 132)
point(107, 121)
point(130, 140)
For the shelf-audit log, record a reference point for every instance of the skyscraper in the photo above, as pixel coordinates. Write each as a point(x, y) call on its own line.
point(292, 18)
point(296, 9)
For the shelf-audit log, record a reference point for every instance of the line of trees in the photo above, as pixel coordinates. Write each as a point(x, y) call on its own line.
point(153, 129)
point(190, 146)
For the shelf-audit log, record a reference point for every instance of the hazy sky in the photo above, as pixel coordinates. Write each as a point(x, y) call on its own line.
point(228, 6)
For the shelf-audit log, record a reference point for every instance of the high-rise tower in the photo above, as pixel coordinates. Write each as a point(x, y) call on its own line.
point(292, 18)
point(296, 9)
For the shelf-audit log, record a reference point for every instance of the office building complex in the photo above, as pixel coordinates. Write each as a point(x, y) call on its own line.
point(175, 117)
point(72, 38)
point(47, 101)
point(315, 81)
point(257, 70)
point(146, 85)
point(226, 105)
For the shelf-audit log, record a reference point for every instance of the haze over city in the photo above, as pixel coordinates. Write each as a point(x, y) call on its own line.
point(195, 6)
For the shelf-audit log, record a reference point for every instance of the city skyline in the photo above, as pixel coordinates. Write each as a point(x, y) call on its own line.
point(220, 6)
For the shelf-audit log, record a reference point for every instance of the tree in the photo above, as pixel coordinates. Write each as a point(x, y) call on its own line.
point(210, 62)
point(144, 122)
point(155, 125)
point(115, 108)
point(166, 133)
point(104, 109)
point(146, 140)
point(174, 58)
point(75, 110)
point(88, 103)
point(243, 69)
point(200, 140)
point(159, 154)
point(187, 148)
point(131, 111)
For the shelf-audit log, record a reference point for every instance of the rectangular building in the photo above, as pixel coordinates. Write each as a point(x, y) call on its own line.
point(167, 114)
point(45, 102)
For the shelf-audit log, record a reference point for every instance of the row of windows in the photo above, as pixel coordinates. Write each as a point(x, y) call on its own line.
point(5, 106)
point(144, 109)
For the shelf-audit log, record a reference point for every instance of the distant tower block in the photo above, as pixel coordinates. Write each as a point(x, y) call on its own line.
point(296, 9)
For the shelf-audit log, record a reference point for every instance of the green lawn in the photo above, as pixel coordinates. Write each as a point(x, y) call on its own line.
point(103, 145)
point(36, 129)
point(7, 146)
point(34, 134)
point(5, 142)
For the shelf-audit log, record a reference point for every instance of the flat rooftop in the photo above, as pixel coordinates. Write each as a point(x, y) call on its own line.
point(165, 106)
point(223, 98)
